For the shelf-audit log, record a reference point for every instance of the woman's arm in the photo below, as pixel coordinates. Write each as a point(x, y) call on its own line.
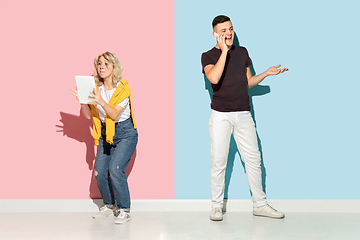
point(113, 112)
point(85, 108)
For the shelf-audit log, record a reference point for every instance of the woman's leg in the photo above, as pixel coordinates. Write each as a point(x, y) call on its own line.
point(118, 163)
point(125, 141)
point(101, 173)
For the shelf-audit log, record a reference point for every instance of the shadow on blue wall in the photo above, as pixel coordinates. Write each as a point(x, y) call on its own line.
point(258, 90)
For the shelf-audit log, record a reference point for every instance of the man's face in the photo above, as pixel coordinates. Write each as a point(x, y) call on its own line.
point(225, 29)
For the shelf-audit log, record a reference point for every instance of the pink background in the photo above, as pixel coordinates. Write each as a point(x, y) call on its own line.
point(47, 151)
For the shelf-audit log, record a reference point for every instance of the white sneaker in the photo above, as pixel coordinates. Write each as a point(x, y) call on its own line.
point(104, 212)
point(267, 211)
point(216, 214)
point(122, 217)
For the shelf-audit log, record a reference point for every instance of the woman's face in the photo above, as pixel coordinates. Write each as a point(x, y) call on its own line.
point(104, 68)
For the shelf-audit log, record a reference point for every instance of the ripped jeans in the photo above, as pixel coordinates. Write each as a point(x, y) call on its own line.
point(111, 162)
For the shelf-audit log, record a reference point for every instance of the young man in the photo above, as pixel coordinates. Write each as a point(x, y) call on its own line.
point(228, 69)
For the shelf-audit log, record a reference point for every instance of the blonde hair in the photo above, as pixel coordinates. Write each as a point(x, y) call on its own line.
point(117, 73)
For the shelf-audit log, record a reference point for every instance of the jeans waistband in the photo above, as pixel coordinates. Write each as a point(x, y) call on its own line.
point(117, 123)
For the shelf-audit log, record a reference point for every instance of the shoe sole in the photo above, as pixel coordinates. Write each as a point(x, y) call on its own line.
point(123, 222)
point(103, 216)
point(262, 215)
point(216, 219)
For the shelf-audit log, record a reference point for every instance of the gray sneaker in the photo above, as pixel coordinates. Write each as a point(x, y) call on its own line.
point(122, 217)
point(216, 214)
point(267, 211)
point(104, 212)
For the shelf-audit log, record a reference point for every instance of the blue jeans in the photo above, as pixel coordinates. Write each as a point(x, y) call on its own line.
point(111, 162)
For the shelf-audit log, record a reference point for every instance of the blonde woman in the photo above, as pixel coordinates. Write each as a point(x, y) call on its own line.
point(115, 133)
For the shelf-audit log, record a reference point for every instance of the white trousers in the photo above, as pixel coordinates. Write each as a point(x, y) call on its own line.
point(241, 125)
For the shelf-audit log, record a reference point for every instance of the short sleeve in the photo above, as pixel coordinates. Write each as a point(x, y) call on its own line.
point(248, 60)
point(206, 60)
point(124, 102)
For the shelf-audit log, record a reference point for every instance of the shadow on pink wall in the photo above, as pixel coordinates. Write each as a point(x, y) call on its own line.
point(79, 129)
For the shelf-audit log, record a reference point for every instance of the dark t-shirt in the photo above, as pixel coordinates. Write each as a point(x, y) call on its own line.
point(231, 92)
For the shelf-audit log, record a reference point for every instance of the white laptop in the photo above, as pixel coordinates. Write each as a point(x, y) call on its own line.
point(85, 85)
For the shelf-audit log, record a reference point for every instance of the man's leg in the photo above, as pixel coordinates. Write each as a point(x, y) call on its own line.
point(220, 129)
point(246, 140)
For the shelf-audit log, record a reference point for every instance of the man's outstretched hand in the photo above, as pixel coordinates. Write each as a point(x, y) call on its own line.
point(275, 70)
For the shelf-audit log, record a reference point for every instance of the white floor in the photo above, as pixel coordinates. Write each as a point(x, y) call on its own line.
point(180, 225)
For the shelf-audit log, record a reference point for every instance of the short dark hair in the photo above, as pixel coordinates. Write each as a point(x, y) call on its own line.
point(220, 19)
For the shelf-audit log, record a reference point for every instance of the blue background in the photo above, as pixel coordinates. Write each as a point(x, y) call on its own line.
point(307, 118)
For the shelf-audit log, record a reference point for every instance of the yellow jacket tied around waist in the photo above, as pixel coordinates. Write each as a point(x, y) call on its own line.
point(122, 91)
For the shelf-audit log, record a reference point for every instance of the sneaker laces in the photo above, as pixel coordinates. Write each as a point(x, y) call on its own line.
point(121, 213)
point(217, 210)
point(271, 207)
point(104, 208)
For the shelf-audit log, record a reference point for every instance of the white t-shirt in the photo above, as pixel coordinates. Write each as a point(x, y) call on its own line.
point(106, 95)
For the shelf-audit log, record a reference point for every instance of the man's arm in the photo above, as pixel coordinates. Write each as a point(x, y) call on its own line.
point(255, 80)
point(214, 72)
